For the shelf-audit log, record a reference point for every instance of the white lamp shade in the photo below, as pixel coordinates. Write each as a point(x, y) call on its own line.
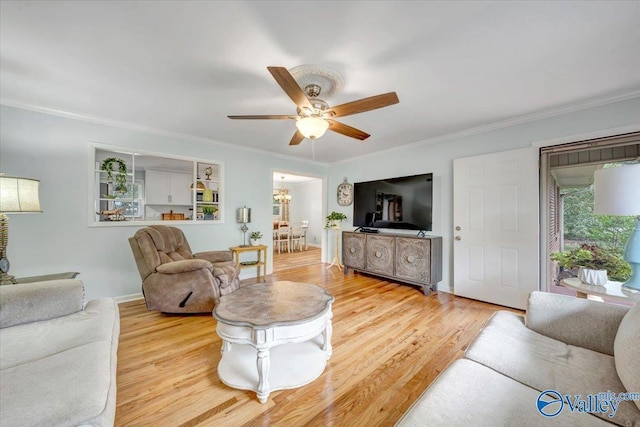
point(244, 215)
point(19, 194)
point(617, 190)
point(312, 127)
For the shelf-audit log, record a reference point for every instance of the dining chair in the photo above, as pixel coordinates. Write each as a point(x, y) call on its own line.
point(283, 234)
point(297, 235)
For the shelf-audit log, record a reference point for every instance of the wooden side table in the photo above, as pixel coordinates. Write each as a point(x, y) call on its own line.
point(260, 262)
point(611, 290)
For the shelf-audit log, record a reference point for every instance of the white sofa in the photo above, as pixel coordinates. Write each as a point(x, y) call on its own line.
point(563, 344)
point(57, 359)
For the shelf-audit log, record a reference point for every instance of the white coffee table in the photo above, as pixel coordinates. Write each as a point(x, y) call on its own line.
point(274, 336)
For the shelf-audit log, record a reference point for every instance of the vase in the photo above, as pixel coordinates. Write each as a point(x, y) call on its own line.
point(592, 277)
point(254, 242)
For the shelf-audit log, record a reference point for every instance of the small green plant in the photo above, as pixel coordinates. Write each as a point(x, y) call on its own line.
point(208, 210)
point(595, 258)
point(121, 177)
point(334, 219)
point(255, 235)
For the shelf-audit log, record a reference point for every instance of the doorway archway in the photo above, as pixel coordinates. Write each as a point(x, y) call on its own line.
point(304, 207)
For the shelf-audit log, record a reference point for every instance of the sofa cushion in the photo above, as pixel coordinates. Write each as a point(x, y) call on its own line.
point(64, 389)
point(22, 344)
point(509, 347)
point(31, 302)
point(575, 321)
point(627, 351)
point(469, 394)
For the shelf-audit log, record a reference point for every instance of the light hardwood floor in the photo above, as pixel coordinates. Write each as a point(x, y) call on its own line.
point(389, 343)
point(286, 260)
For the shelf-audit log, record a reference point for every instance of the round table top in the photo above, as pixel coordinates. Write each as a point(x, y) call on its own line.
point(611, 289)
point(270, 304)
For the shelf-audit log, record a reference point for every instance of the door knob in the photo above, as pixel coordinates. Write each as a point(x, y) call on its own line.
point(458, 228)
point(458, 238)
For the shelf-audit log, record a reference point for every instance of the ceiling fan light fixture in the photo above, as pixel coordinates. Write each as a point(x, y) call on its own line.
point(312, 127)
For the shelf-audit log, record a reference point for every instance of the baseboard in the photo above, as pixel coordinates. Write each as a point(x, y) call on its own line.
point(130, 297)
point(445, 288)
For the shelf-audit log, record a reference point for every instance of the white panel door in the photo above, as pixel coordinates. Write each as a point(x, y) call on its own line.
point(496, 227)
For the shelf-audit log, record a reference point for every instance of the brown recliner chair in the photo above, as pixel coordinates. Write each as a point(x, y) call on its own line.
point(174, 280)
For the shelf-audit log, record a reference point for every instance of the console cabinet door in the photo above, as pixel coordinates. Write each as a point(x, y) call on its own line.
point(353, 254)
point(413, 259)
point(380, 252)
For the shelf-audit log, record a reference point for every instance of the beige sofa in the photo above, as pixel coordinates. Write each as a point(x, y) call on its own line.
point(563, 346)
point(57, 358)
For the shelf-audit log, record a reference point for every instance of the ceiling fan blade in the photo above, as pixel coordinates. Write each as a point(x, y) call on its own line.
point(290, 86)
point(297, 138)
point(347, 130)
point(264, 117)
point(364, 104)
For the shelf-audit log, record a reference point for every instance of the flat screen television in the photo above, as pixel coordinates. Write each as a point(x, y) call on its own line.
point(399, 203)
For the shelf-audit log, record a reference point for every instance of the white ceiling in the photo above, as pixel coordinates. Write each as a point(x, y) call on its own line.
point(183, 67)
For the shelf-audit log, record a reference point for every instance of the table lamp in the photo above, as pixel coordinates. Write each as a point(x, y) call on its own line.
point(617, 192)
point(17, 195)
point(244, 216)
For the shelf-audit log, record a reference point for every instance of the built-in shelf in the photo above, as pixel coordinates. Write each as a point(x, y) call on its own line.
point(156, 185)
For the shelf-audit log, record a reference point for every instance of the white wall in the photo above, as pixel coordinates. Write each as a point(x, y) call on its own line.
point(438, 159)
point(55, 150)
point(306, 204)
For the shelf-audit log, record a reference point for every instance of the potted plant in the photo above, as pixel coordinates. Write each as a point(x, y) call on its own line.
point(594, 264)
point(208, 212)
point(334, 219)
point(121, 177)
point(254, 238)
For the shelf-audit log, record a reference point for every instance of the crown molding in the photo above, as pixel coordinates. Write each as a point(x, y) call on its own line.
point(553, 112)
point(150, 130)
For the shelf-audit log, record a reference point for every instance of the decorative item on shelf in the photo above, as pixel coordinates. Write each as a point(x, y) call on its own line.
point(207, 195)
point(617, 192)
point(112, 214)
point(254, 238)
point(171, 216)
point(199, 185)
point(244, 216)
point(17, 195)
point(590, 258)
point(207, 172)
point(121, 177)
point(209, 212)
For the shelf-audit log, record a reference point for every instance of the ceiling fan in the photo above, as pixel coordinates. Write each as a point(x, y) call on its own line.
point(314, 114)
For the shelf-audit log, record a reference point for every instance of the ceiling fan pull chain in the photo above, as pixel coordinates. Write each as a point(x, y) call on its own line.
point(313, 149)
